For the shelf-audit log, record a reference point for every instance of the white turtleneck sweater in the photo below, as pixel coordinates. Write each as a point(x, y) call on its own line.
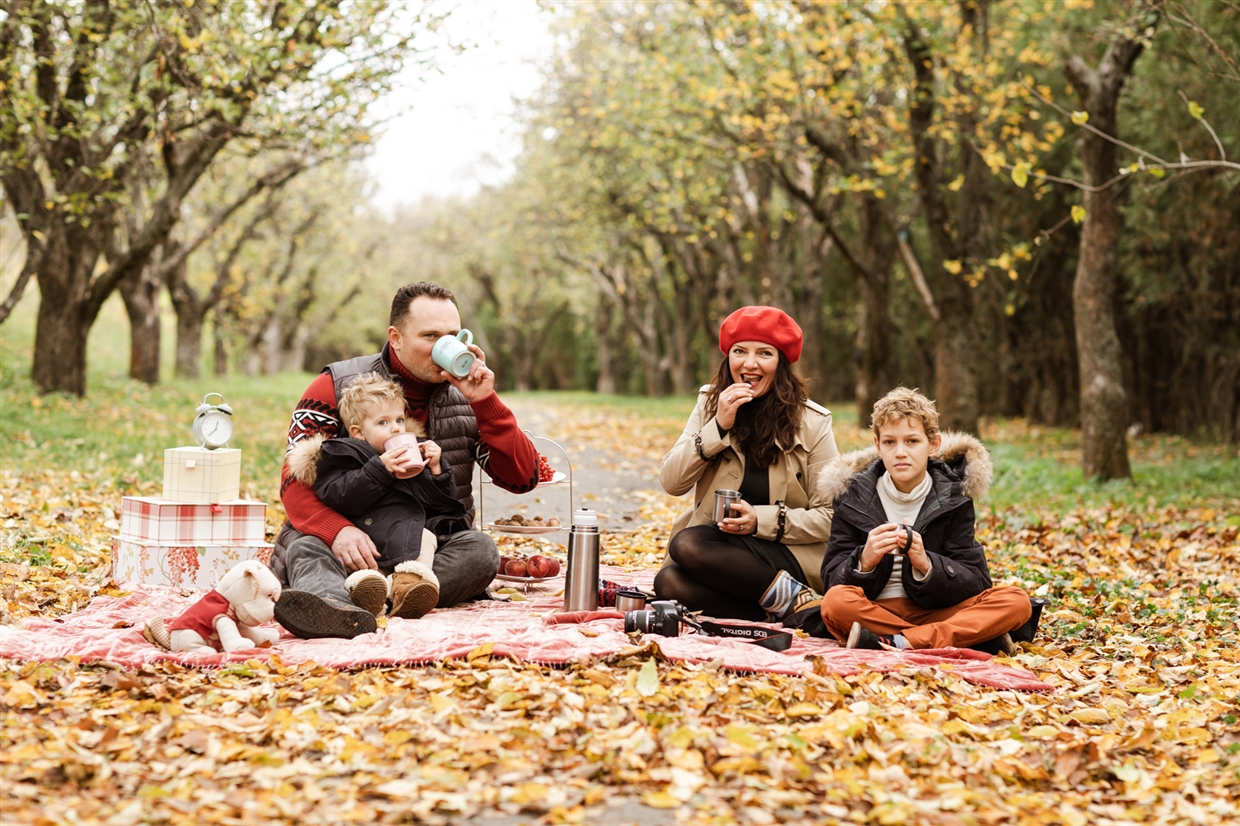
point(901, 508)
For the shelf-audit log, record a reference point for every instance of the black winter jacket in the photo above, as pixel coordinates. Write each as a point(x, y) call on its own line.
point(960, 472)
point(350, 478)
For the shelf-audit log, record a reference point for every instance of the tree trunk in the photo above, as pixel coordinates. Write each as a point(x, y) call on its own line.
point(140, 292)
point(603, 342)
point(955, 336)
point(190, 311)
point(65, 316)
point(680, 364)
point(1104, 403)
point(221, 349)
point(808, 300)
point(272, 351)
point(189, 345)
point(648, 345)
point(523, 356)
point(875, 357)
point(60, 348)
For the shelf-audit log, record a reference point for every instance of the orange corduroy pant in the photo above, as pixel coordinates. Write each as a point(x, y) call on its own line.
point(991, 613)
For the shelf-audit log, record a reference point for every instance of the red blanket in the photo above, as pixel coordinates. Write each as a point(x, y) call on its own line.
point(110, 629)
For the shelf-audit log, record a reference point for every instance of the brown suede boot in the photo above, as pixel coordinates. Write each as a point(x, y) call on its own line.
point(369, 590)
point(414, 590)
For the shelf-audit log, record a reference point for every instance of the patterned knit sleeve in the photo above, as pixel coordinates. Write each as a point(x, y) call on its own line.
point(316, 413)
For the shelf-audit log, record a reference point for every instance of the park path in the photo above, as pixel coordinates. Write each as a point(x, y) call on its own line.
point(614, 462)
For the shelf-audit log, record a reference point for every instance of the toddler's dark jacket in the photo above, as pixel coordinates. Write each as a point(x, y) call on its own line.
point(348, 475)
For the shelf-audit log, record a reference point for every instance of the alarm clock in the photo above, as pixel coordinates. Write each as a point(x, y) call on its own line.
point(213, 424)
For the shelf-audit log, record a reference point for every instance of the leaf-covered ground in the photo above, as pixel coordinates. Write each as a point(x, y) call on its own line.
point(1139, 640)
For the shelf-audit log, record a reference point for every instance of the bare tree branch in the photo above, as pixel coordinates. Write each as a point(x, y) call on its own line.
point(272, 180)
point(918, 274)
point(1192, 166)
point(1221, 151)
point(19, 287)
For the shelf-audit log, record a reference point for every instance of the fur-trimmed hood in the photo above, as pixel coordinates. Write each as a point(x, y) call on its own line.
point(963, 453)
point(303, 459)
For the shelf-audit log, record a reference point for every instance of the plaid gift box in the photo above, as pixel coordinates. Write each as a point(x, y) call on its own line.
point(149, 519)
point(200, 476)
point(198, 567)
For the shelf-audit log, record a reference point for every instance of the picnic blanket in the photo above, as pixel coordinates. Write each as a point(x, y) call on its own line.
point(110, 629)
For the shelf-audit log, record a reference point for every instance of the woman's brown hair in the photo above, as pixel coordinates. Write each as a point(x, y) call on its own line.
point(768, 422)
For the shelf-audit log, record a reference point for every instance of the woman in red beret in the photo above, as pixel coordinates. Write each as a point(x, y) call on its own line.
point(754, 430)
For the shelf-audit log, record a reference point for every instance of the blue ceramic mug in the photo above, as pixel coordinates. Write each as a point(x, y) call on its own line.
point(452, 353)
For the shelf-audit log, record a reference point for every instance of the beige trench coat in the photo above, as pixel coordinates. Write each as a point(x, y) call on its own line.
point(795, 478)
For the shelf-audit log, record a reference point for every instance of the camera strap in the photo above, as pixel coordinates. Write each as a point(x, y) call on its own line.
point(756, 634)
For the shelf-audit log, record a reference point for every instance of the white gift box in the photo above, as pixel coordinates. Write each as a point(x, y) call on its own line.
point(202, 477)
point(150, 519)
point(198, 567)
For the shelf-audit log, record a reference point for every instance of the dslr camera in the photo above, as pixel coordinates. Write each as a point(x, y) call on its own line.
point(663, 617)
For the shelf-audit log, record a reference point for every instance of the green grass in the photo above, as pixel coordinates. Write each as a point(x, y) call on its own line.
point(118, 433)
point(1045, 468)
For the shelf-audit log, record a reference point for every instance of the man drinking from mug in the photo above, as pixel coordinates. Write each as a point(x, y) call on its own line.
point(327, 563)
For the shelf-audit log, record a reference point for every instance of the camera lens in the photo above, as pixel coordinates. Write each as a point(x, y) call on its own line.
point(637, 621)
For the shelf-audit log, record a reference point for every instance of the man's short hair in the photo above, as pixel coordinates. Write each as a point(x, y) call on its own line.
point(903, 403)
point(406, 294)
point(366, 393)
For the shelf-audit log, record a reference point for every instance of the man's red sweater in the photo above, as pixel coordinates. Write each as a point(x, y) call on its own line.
point(513, 461)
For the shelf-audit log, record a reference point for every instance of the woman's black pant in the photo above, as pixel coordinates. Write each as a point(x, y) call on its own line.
point(722, 574)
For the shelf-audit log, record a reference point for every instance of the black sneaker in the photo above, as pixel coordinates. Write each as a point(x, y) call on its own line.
point(861, 637)
point(312, 617)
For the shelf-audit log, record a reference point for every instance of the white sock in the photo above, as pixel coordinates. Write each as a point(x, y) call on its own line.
point(900, 642)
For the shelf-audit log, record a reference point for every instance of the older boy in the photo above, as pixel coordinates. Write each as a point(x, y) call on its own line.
point(902, 567)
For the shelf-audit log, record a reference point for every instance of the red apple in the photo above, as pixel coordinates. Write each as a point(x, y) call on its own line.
point(516, 567)
point(539, 566)
point(555, 566)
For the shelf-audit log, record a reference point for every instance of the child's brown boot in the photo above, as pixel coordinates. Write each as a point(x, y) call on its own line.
point(414, 590)
point(368, 589)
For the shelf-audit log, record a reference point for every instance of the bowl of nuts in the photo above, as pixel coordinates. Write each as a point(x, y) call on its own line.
point(519, 523)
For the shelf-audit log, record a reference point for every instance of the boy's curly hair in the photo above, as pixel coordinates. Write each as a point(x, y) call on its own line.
point(903, 403)
point(364, 394)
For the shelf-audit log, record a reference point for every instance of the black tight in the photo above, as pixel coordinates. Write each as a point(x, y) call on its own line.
point(711, 574)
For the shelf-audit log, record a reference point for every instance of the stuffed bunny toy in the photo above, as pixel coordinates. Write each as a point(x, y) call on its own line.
point(228, 615)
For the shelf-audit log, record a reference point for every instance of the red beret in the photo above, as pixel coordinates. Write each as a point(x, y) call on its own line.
point(770, 325)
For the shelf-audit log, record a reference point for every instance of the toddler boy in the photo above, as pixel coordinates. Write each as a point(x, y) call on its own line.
point(401, 512)
point(902, 567)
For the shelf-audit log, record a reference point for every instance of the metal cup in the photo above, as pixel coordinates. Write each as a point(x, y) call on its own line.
point(723, 504)
point(630, 601)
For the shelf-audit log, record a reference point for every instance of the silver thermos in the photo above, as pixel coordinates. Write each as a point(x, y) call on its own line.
point(581, 578)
